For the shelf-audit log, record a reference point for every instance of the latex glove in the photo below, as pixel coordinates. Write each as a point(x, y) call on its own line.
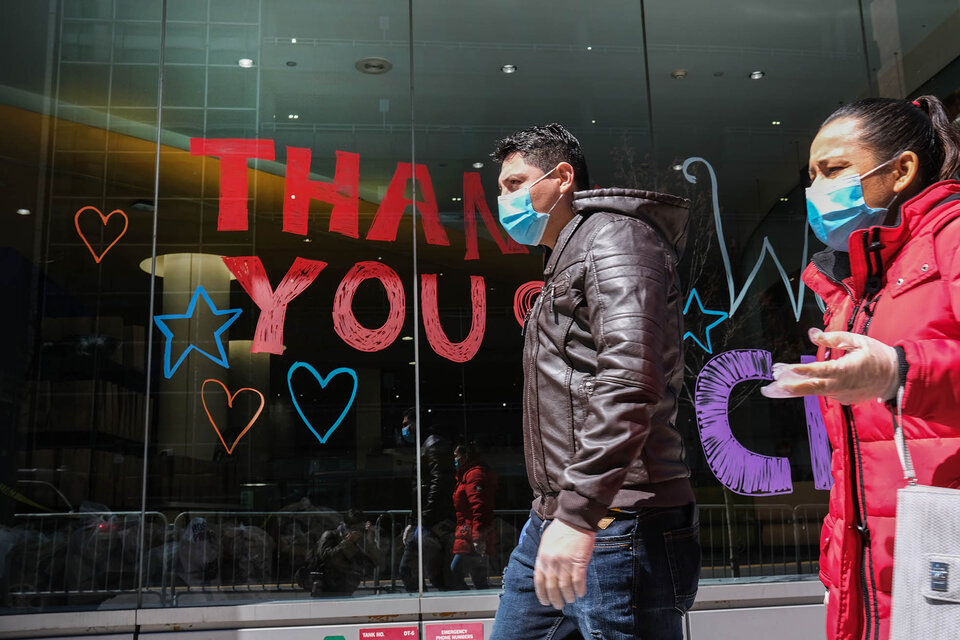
point(560, 573)
point(867, 371)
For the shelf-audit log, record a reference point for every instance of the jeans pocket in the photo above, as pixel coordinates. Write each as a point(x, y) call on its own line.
point(683, 555)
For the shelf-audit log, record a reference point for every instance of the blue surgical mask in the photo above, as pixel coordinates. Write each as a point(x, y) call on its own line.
point(836, 208)
point(407, 434)
point(518, 217)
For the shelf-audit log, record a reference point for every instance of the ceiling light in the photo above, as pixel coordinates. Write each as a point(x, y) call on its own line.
point(291, 63)
point(677, 167)
point(509, 68)
point(775, 123)
point(407, 338)
point(307, 240)
point(412, 363)
point(246, 63)
point(678, 74)
point(478, 165)
point(756, 75)
point(593, 122)
point(24, 212)
point(589, 48)
point(373, 65)
point(293, 41)
point(293, 116)
point(784, 199)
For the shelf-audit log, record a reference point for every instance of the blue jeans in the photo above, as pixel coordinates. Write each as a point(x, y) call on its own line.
point(641, 580)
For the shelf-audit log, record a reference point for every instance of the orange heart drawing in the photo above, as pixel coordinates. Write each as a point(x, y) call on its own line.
point(230, 399)
point(103, 218)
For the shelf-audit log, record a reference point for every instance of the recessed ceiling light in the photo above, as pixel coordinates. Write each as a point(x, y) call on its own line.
point(246, 63)
point(412, 363)
point(478, 165)
point(677, 167)
point(775, 123)
point(784, 199)
point(589, 48)
point(756, 75)
point(307, 240)
point(293, 116)
point(407, 338)
point(24, 212)
point(293, 41)
point(678, 74)
point(593, 122)
point(373, 65)
point(509, 68)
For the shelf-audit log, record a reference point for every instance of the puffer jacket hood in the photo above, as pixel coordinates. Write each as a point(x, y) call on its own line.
point(899, 285)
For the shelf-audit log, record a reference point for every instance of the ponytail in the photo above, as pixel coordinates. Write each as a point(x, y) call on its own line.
point(948, 136)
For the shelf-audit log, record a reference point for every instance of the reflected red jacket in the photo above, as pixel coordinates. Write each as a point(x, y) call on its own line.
point(473, 499)
point(900, 285)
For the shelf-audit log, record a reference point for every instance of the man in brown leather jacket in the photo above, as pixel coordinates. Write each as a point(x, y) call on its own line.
point(611, 549)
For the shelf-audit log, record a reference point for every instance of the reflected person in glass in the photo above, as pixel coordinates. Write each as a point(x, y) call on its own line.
point(473, 499)
point(884, 201)
point(611, 549)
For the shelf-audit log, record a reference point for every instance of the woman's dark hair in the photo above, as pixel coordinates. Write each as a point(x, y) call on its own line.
point(890, 126)
point(468, 450)
point(545, 147)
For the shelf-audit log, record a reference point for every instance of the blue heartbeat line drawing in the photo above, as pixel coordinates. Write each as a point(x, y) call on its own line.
point(736, 298)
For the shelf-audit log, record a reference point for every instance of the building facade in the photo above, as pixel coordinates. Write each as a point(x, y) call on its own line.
point(241, 239)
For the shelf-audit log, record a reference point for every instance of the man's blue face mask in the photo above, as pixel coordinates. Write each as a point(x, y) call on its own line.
point(518, 217)
point(407, 434)
point(836, 208)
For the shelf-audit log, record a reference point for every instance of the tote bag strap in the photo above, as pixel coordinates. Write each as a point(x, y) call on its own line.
point(905, 461)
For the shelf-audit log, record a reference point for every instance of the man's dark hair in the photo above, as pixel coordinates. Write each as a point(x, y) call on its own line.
point(545, 147)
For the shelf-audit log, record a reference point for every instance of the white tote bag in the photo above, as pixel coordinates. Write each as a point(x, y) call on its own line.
point(926, 557)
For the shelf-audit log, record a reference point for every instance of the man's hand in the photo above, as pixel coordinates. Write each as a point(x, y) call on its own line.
point(867, 371)
point(560, 575)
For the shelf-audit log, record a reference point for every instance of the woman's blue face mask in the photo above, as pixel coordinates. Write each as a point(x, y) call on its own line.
point(836, 208)
point(518, 217)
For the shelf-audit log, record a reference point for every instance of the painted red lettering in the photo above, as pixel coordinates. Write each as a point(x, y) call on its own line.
point(439, 342)
point(394, 203)
point(268, 337)
point(345, 323)
point(342, 193)
point(233, 154)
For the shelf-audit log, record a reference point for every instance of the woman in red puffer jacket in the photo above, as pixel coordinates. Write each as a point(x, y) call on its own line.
point(473, 499)
point(883, 200)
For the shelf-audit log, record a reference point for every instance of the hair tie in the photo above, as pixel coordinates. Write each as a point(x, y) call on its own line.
point(916, 104)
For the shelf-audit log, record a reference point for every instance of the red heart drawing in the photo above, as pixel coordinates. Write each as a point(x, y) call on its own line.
point(230, 399)
point(103, 219)
point(524, 297)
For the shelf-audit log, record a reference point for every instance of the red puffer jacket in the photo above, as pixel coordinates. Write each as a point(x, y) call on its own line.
point(473, 500)
point(900, 285)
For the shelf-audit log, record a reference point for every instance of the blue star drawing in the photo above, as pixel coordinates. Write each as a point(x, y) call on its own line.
point(721, 316)
point(233, 314)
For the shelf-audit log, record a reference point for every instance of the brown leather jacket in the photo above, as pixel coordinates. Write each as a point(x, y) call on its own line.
point(603, 361)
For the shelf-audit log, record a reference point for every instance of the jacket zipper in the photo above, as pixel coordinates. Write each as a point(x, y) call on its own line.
point(532, 317)
point(868, 587)
point(868, 584)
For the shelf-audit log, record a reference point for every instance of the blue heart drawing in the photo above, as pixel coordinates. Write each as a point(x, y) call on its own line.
point(324, 381)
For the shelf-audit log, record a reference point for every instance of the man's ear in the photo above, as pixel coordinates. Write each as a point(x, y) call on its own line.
point(565, 173)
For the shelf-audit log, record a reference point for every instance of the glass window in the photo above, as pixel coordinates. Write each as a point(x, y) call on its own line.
point(244, 349)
